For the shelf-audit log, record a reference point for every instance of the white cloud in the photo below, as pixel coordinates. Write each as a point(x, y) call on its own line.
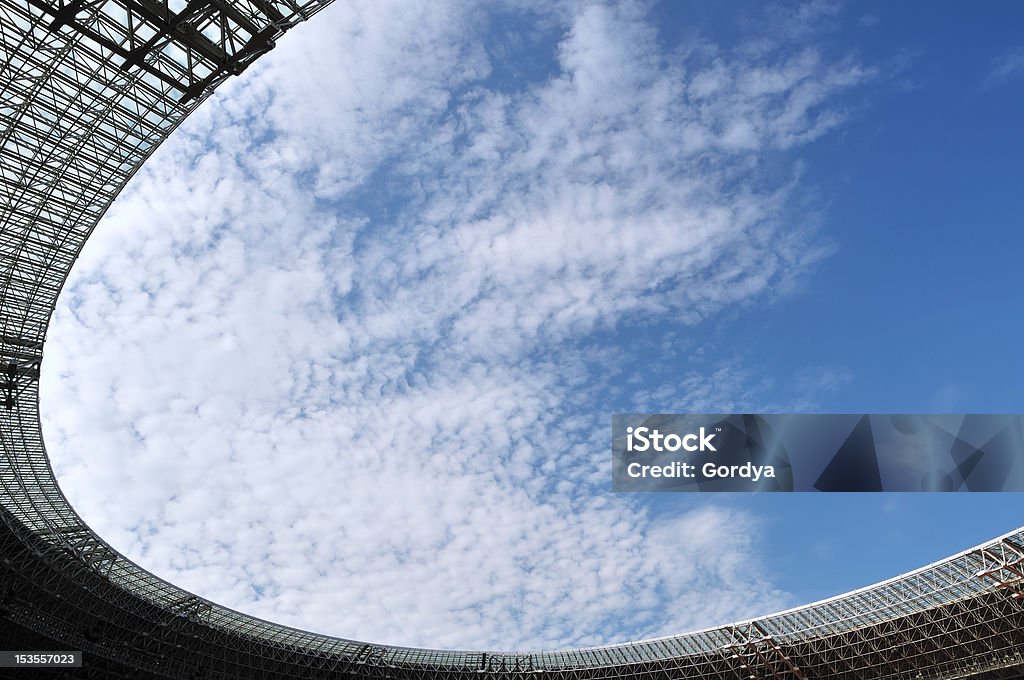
point(334, 357)
point(1008, 66)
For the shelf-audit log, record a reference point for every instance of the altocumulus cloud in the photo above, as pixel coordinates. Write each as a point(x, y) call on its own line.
point(336, 357)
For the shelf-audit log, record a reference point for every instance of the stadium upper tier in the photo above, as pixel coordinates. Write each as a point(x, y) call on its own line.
point(88, 89)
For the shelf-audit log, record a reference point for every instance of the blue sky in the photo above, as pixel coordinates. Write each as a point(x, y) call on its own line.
point(360, 324)
point(923, 202)
point(916, 306)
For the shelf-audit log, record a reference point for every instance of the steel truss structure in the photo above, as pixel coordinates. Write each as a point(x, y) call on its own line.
point(88, 89)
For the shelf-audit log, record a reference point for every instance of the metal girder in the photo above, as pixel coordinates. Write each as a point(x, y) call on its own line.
point(16, 378)
point(1003, 564)
point(89, 548)
point(191, 607)
point(758, 656)
point(238, 39)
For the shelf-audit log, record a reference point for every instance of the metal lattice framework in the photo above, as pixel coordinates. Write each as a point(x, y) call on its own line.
point(88, 89)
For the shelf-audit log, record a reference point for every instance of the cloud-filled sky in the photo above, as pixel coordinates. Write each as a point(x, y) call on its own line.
point(343, 354)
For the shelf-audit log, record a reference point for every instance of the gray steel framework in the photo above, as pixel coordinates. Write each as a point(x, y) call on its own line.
point(89, 89)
